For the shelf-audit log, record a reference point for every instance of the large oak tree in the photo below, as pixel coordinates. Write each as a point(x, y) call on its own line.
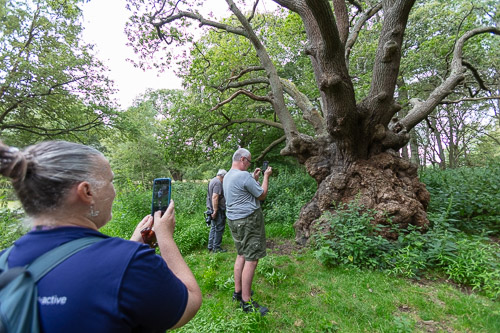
point(352, 150)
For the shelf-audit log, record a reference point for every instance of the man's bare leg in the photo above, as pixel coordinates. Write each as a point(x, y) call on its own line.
point(247, 278)
point(239, 264)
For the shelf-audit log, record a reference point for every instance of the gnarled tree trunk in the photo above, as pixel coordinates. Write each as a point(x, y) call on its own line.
point(353, 151)
point(384, 182)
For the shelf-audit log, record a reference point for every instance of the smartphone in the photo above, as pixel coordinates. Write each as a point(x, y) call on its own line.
point(265, 164)
point(162, 189)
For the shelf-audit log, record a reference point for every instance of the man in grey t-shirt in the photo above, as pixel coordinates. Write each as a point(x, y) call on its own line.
point(217, 204)
point(243, 194)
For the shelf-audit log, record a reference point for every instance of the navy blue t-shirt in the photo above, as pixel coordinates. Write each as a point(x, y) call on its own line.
point(114, 285)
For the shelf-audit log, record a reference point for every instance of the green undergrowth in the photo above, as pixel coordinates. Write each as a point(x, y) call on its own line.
point(306, 296)
point(446, 279)
point(353, 241)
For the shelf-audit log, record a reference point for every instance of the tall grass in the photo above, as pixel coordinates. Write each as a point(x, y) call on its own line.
point(133, 203)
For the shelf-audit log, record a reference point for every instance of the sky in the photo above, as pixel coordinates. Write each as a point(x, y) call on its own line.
point(104, 24)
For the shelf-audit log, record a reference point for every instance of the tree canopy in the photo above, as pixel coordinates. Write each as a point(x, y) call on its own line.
point(51, 84)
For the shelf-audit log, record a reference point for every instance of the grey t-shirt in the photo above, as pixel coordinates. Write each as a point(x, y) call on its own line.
point(241, 191)
point(215, 186)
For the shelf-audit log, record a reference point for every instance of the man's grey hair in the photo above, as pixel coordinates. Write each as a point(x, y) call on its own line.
point(241, 152)
point(221, 172)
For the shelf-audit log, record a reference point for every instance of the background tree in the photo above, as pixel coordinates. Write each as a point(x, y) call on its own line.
point(51, 86)
point(135, 153)
point(468, 111)
point(350, 142)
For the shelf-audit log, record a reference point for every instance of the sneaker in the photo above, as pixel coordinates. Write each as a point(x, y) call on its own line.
point(253, 306)
point(237, 296)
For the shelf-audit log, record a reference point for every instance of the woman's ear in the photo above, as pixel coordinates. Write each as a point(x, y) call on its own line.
point(85, 193)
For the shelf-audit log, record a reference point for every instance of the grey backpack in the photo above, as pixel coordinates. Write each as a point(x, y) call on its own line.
point(18, 289)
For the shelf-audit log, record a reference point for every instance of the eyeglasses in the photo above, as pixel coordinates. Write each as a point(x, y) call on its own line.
point(250, 162)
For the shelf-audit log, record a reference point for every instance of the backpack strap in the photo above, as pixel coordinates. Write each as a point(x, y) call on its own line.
point(3, 258)
point(47, 261)
point(10, 275)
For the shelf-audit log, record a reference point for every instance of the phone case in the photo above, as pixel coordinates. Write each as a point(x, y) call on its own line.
point(162, 188)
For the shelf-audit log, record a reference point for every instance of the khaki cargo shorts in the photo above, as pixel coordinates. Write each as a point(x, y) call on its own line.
point(249, 235)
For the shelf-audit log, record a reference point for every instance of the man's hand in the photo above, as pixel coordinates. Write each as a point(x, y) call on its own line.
point(268, 171)
point(256, 174)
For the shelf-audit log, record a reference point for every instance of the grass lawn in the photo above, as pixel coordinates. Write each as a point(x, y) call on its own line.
point(304, 296)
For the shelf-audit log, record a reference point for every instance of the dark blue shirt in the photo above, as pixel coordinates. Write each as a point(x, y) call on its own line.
point(115, 285)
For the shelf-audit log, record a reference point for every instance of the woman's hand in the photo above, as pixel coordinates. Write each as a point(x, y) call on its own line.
point(165, 225)
point(147, 221)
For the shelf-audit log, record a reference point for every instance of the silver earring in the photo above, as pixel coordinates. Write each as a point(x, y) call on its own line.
point(93, 213)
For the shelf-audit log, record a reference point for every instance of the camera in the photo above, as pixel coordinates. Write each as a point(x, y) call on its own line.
point(208, 217)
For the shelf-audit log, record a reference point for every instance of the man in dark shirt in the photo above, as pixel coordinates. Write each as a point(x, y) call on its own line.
point(217, 204)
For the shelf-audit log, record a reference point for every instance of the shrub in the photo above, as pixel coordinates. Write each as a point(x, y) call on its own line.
point(289, 190)
point(352, 239)
point(475, 263)
point(132, 203)
point(469, 194)
point(11, 226)
point(466, 259)
point(129, 208)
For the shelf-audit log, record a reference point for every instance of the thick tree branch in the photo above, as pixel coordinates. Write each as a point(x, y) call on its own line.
point(159, 22)
point(388, 59)
point(278, 99)
point(476, 75)
point(243, 121)
point(292, 5)
point(242, 92)
point(422, 110)
point(342, 18)
point(353, 36)
point(326, 24)
point(252, 121)
point(309, 112)
point(244, 83)
point(245, 71)
point(270, 147)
